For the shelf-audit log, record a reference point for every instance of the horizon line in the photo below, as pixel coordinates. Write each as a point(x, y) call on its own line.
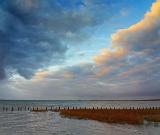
point(80, 99)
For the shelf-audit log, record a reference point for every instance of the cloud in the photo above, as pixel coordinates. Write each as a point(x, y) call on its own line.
point(41, 75)
point(35, 34)
point(68, 75)
point(135, 45)
point(143, 36)
point(25, 45)
point(108, 55)
point(122, 65)
point(75, 72)
point(103, 71)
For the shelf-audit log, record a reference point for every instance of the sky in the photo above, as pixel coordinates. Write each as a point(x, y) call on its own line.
point(79, 49)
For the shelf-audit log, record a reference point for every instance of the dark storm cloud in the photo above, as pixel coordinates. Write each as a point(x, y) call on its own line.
point(33, 33)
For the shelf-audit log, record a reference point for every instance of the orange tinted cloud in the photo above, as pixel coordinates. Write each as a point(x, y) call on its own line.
point(104, 71)
point(68, 75)
point(41, 75)
point(143, 37)
point(107, 55)
point(144, 32)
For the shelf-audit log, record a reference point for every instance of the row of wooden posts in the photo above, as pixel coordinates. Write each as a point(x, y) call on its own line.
point(5, 109)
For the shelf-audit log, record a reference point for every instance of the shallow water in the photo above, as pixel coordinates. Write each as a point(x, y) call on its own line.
point(51, 123)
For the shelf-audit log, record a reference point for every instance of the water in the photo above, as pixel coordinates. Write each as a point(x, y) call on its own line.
point(51, 123)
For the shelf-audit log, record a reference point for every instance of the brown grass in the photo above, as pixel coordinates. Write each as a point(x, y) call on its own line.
point(130, 116)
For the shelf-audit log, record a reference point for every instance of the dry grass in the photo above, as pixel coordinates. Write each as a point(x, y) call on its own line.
point(130, 116)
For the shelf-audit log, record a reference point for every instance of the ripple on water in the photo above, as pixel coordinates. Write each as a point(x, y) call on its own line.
point(50, 123)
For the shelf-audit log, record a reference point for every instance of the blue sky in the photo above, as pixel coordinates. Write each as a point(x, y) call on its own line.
point(82, 49)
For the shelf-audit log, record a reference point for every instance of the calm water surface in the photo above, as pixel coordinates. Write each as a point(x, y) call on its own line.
point(50, 123)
